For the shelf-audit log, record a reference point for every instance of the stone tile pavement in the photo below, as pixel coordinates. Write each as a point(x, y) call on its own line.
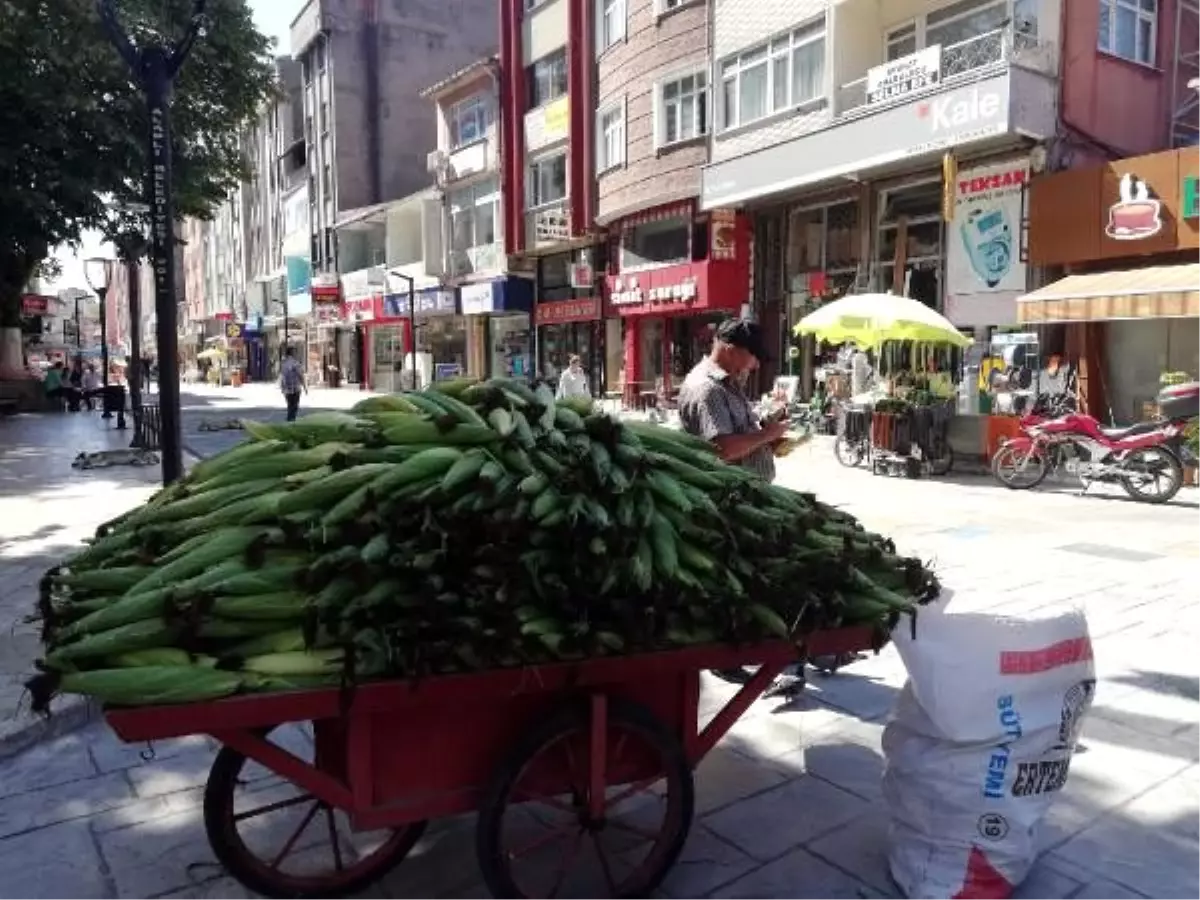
point(788, 805)
point(46, 510)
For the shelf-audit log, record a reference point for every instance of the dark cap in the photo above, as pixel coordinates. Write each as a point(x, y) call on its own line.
point(746, 335)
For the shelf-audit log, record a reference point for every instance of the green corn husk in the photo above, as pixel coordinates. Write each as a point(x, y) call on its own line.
point(123, 639)
point(145, 686)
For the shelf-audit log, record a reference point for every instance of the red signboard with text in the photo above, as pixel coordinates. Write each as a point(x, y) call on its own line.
point(557, 312)
point(34, 305)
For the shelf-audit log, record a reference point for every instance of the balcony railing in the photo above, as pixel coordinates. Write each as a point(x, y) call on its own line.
point(966, 61)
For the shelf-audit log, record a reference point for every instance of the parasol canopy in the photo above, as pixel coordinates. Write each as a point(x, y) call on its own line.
point(212, 353)
point(872, 319)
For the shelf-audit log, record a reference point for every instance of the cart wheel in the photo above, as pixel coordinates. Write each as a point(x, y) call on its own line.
point(534, 845)
point(280, 841)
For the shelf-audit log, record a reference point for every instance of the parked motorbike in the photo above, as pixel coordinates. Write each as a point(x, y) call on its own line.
point(1143, 458)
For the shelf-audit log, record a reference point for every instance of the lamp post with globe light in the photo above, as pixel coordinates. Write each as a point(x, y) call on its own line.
point(97, 272)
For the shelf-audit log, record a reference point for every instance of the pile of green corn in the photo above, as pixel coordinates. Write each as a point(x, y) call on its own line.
point(466, 527)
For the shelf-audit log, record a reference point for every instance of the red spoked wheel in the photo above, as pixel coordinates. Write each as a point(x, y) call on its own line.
point(595, 802)
point(280, 841)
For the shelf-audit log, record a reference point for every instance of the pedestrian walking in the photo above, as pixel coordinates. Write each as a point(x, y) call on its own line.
point(574, 381)
point(291, 382)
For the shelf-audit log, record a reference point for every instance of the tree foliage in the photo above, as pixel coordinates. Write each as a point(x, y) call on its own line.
point(74, 125)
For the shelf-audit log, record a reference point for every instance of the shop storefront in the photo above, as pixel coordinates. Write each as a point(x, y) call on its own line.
point(389, 343)
point(1124, 237)
point(441, 335)
point(257, 367)
point(676, 277)
point(321, 361)
point(497, 314)
point(570, 323)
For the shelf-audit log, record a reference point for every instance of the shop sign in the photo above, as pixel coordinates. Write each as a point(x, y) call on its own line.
point(904, 76)
point(1136, 215)
point(326, 286)
point(226, 316)
point(1190, 195)
point(435, 302)
point(559, 311)
point(627, 292)
point(722, 234)
point(983, 253)
point(360, 309)
point(547, 124)
point(325, 312)
point(233, 331)
point(34, 305)
point(477, 299)
point(552, 224)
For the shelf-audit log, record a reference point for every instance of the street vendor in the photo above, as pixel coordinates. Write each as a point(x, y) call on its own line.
point(713, 405)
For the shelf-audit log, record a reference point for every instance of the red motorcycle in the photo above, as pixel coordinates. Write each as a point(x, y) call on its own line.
point(1144, 458)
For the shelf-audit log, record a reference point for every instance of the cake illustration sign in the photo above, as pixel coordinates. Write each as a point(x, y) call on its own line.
point(984, 252)
point(1137, 215)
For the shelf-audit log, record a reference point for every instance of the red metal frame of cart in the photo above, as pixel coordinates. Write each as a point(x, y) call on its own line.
point(394, 753)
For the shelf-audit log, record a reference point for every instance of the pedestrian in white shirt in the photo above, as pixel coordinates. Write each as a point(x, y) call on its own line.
point(574, 381)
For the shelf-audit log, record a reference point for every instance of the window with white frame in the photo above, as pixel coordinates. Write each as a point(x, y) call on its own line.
point(682, 111)
point(469, 119)
point(788, 71)
point(611, 16)
point(901, 41)
point(665, 6)
point(474, 212)
point(548, 179)
point(547, 78)
point(1129, 29)
point(960, 22)
point(610, 137)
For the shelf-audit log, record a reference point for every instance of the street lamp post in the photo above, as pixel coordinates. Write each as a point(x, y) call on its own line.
point(97, 272)
point(155, 68)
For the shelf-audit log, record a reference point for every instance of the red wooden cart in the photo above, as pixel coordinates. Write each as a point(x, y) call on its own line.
point(576, 770)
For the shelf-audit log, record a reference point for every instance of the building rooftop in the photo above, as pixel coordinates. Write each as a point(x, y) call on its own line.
point(462, 74)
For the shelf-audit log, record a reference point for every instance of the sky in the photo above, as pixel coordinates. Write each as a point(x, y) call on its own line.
point(273, 18)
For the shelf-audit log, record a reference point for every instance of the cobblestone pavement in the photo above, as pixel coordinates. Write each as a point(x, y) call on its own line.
point(789, 804)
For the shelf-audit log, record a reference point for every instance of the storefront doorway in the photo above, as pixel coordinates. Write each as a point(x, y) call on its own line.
point(559, 342)
point(909, 246)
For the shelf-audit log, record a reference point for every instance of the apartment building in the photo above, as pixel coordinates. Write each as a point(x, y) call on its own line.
point(367, 131)
point(890, 146)
point(464, 225)
point(673, 270)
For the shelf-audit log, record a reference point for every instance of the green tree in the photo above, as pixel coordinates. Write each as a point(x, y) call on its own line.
point(73, 126)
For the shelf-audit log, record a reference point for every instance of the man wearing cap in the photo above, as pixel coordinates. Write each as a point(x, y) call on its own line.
point(713, 406)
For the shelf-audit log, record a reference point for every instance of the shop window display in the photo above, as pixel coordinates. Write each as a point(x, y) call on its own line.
point(509, 341)
point(443, 341)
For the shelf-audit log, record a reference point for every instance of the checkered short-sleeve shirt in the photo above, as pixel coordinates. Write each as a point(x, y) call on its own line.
point(712, 404)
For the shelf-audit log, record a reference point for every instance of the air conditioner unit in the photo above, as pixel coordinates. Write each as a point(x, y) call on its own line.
point(436, 162)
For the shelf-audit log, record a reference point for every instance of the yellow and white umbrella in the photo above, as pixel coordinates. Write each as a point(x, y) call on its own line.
point(212, 353)
point(872, 319)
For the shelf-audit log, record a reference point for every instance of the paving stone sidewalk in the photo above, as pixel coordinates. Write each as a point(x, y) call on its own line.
point(46, 509)
point(789, 804)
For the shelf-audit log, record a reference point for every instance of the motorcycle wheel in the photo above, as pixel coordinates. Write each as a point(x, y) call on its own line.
point(848, 454)
point(943, 465)
point(1173, 472)
point(1017, 475)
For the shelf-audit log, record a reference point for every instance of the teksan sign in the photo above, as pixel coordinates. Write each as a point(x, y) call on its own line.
point(627, 292)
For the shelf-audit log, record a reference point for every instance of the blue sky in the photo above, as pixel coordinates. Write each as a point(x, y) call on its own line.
point(273, 18)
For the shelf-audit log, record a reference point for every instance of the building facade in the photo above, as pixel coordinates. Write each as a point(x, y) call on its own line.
point(1120, 243)
point(367, 130)
point(465, 228)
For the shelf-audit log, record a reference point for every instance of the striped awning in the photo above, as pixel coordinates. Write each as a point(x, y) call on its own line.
point(1155, 292)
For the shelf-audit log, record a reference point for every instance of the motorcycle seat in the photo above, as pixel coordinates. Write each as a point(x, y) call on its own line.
point(1117, 434)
